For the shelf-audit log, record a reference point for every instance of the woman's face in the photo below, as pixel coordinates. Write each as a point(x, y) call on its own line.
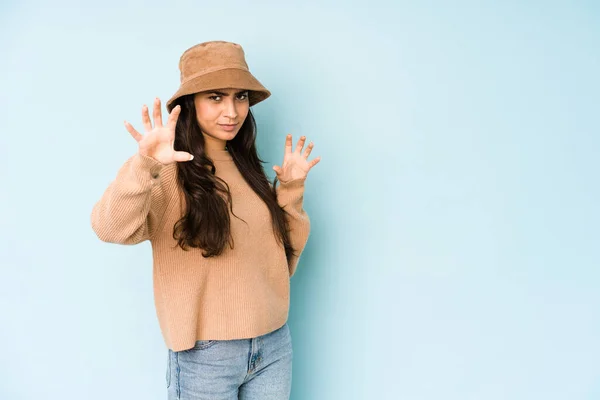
point(217, 109)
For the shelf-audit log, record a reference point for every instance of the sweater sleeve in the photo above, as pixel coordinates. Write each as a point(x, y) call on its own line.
point(290, 196)
point(131, 207)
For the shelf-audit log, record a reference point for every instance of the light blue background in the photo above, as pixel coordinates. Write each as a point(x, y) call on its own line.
point(455, 244)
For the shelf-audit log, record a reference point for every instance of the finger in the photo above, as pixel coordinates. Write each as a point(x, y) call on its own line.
point(182, 156)
point(172, 121)
point(308, 150)
point(300, 144)
point(314, 162)
point(157, 114)
point(146, 119)
point(288, 143)
point(136, 135)
point(277, 169)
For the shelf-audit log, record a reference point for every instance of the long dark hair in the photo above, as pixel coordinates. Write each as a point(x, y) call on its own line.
point(206, 223)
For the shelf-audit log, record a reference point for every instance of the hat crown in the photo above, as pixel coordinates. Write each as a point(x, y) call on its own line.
point(209, 57)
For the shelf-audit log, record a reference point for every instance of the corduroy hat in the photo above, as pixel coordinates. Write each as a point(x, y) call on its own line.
point(214, 65)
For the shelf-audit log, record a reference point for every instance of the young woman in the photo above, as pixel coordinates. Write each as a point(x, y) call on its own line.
point(225, 241)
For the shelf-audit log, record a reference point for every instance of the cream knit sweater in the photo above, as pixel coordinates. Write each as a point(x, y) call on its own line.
point(242, 293)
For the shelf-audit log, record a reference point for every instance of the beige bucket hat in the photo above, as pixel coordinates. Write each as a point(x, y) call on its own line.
point(213, 65)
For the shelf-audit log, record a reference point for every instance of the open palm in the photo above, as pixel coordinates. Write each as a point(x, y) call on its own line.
point(295, 163)
point(158, 142)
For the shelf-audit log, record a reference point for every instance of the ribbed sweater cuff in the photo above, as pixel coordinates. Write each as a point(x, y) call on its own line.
point(145, 164)
point(290, 192)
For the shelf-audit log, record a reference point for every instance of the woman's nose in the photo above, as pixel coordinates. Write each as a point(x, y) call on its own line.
point(230, 109)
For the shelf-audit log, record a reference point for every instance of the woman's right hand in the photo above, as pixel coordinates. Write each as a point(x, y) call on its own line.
point(159, 140)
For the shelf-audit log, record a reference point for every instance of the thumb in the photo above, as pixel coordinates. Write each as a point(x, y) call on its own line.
point(182, 156)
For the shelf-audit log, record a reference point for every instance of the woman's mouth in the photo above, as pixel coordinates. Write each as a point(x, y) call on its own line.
point(228, 128)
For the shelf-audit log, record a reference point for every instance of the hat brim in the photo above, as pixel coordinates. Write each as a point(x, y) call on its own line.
point(230, 78)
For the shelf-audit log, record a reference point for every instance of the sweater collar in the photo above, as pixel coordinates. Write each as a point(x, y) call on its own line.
point(218, 155)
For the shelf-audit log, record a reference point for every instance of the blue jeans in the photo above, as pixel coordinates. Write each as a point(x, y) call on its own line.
point(240, 369)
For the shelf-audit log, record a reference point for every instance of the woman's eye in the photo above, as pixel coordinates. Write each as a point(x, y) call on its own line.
point(242, 96)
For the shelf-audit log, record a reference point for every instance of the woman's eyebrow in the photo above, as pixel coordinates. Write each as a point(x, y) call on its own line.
point(225, 94)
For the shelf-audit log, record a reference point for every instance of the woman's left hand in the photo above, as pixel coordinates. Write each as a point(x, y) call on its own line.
point(295, 163)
